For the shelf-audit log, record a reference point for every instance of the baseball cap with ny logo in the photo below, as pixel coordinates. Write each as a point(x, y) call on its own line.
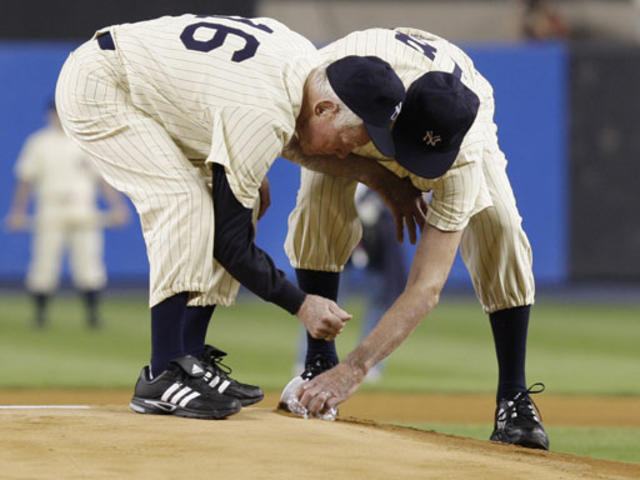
point(437, 113)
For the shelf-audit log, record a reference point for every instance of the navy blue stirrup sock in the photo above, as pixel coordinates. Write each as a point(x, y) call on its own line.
point(41, 300)
point(91, 298)
point(510, 328)
point(196, 323)
point(167, 332)
point(326, 285)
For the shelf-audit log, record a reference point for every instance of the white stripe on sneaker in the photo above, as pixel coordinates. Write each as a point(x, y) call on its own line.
point(176, 398)
point(214, 382)
point(224, 386)
point(188, 398)
point(169, 391)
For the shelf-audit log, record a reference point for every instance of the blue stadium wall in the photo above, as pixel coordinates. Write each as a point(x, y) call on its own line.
point(530, 83)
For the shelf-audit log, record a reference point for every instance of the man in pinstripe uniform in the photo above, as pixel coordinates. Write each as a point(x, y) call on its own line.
point(445, 142)
point(186, 115)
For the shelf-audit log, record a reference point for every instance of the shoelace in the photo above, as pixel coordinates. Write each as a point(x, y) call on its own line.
point(522, 405)
point(220, 368)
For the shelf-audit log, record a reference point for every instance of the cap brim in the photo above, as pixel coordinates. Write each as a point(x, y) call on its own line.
point(423, 164)
point(382, 139)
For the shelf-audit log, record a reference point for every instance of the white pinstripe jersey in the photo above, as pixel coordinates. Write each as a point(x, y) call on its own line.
point(462, 191)
point(227, 89)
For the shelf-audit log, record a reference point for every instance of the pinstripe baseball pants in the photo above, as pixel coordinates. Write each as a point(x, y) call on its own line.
point(136, 155)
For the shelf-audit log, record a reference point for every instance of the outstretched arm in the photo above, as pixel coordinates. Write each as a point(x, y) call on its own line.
point(405, 202)
point(429, 271)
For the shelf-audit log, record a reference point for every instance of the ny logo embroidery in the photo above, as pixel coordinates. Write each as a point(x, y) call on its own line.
point(396, 111)
point(431, 139)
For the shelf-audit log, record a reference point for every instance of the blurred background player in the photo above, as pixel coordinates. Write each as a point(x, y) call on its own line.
point(541, 21)
point(53, 169)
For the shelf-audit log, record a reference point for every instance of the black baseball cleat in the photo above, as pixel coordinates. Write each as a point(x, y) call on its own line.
point(518, 422)
point(217, 376)
point(180, 390)
point(318, 365)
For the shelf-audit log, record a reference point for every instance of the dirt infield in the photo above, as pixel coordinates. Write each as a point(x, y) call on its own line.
point(107, 441)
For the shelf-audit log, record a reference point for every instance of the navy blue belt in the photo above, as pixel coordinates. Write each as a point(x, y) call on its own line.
point(105, 41)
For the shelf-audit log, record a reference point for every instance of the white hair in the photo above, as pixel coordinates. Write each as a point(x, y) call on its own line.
point(319, 82)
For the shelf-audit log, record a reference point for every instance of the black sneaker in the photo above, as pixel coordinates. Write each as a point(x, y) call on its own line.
point(517, 421)
point(180, 390)
point(93, 321)
point(217, 376)
point(318, 365)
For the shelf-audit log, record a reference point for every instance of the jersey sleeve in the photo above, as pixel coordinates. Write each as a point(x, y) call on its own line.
point(246, 143)
point(26, 168)
point(236, 251)
point(457, 196)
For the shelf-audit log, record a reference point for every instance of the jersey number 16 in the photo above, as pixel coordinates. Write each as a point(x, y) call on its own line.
point(221, 33)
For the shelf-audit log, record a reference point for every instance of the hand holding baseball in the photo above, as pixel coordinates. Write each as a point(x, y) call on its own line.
point(323, 318)
point(330, 389)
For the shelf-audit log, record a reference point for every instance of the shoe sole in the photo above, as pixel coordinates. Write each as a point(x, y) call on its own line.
point(536, 446)
point(250, 400)
point(154, 407)
point(539, 445)
point(533, 445)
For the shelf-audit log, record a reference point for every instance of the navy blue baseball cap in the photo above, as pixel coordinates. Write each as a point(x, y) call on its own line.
point(373, 91)
point(437, 114)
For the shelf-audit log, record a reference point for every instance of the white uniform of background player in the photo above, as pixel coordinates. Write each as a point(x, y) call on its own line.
point(472, 205)
point(67, 218)
point(65, 186)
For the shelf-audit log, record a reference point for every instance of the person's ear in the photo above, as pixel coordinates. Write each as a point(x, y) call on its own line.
point(325, 107)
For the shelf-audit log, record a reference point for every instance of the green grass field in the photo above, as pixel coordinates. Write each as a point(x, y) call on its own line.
point(586, 348)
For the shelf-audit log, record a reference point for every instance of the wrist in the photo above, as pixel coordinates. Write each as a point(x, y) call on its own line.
point(367, 172)
point(289, 297)
point(370, 180)
point(302, 305)
point(357, 365)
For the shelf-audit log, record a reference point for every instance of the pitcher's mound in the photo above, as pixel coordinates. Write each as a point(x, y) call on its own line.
point(111, 442)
